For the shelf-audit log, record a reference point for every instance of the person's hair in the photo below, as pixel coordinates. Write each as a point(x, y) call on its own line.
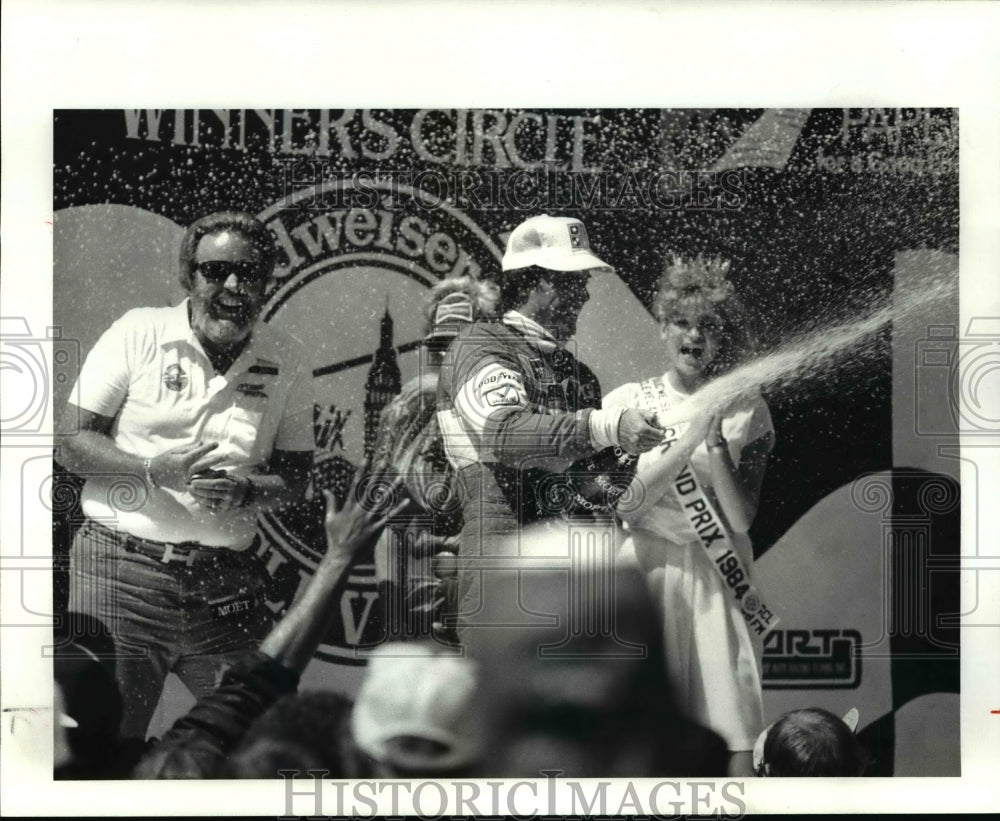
point(84, 670)
point(812, 742)
point(167, 761)
point(266, 758)
point(517, 285)
point(694, 285)
point(310, 727)
point(246, 224)
point(472, 288)
point(91, 698)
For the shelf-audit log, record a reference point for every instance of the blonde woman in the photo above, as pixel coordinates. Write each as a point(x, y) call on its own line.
point(693, 500)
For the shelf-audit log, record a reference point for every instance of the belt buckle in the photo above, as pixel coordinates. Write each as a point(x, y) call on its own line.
point(168, 555)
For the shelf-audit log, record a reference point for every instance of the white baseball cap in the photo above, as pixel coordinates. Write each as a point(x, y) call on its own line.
point(555, 243)
point(413, 689)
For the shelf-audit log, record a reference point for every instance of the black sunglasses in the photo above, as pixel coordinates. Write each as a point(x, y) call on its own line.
point(220, 270)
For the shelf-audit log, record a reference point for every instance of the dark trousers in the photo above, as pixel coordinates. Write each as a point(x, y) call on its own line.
point(192, 620)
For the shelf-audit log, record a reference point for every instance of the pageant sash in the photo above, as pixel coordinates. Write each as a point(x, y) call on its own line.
point(707, 523)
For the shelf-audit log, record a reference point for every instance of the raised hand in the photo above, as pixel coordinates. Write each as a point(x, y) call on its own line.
point(713, 436)
point(355, 526)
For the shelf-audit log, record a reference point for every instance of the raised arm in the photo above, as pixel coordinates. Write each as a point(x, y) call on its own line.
point(295, 638)
point(199, 741)
point(492, 400)
point(654, 477)
point(737, 488)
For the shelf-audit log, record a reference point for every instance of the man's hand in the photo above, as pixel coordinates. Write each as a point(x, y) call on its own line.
point(217, 490)
point(294, 638)
point(637, 431)
point(175, 467)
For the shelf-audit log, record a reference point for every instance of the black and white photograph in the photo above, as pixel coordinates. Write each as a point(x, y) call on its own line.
point(626, 444)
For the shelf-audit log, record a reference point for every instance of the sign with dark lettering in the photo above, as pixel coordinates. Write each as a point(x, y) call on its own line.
point(812, 659)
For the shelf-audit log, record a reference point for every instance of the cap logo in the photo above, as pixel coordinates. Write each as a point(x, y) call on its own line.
point(454, 311)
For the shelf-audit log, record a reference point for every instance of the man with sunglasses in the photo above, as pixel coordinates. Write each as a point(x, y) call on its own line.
point(191, 420)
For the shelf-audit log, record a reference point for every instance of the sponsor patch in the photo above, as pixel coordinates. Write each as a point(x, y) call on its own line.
point(251, 389)
point(503, 395)
point(578, 239)
point(497, 385)
point(233, 607)
point(174, 378)
point(495, 376)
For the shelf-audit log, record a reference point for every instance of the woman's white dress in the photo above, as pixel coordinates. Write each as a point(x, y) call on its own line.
point(713, 660)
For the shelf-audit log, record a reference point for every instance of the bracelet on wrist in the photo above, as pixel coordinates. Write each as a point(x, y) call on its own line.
point(720, 445)
point(147, 464)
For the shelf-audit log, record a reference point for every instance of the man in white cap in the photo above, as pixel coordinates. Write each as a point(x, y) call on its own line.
point(520, 416)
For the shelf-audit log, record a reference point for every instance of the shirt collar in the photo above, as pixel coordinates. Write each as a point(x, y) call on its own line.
point(534, 332)
point(262, 346)
point(178, 325)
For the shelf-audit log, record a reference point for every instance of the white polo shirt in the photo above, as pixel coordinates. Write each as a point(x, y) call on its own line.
point(149, 372)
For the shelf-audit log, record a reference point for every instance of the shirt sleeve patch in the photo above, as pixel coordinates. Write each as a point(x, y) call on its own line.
point(502, 395)
point(493, 375)
point(493, 387)
point(497, 385)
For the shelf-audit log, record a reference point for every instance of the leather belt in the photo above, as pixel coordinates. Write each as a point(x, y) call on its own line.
point(189, 553)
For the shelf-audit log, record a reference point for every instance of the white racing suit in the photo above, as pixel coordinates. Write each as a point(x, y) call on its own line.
point(514, 410)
